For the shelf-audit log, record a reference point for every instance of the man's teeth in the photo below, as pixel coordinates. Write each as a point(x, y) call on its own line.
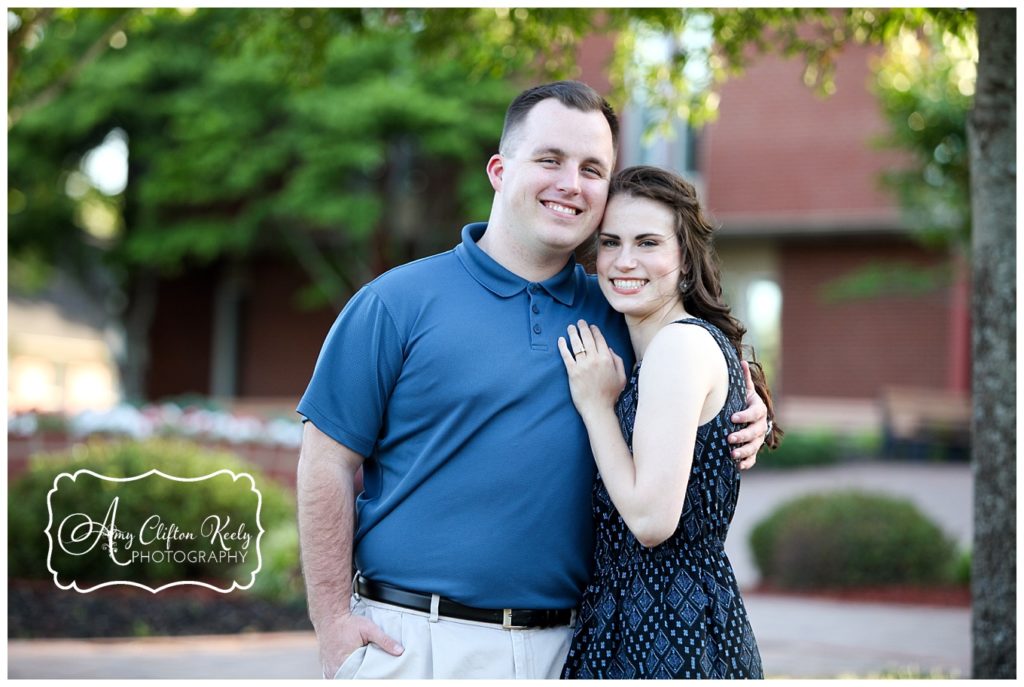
point(628, 283)
point(563, 209)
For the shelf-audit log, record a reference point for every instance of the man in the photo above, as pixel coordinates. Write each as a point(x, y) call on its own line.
point(442, 378)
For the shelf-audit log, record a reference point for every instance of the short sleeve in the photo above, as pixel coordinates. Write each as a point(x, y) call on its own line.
point(355, 373)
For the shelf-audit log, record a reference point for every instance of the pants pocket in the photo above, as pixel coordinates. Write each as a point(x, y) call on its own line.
point(350, 665)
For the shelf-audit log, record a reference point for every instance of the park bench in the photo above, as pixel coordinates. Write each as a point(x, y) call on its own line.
point(926, 424)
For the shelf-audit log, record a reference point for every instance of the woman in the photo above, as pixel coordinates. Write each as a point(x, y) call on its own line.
point(663, 602)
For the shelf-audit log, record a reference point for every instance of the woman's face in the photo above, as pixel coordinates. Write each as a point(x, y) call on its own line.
point(638, 256)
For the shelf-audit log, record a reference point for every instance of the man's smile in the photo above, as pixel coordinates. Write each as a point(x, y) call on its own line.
point(561, 209)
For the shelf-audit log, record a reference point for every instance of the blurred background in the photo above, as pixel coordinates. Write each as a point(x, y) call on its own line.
point(194, 194)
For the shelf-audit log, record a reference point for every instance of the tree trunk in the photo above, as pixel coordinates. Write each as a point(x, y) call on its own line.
point(993, 144)
point(134, 361)
point(227, 330)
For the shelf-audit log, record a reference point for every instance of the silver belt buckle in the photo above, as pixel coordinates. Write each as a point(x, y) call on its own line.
point(506, 619)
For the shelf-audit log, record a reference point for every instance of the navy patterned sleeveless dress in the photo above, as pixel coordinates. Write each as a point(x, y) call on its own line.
point(674, 610)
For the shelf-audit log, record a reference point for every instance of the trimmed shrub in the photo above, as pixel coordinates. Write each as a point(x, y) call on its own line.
point(962, 569)
point(280, 578)
point(27, 511)
point(865, 444)
point(850, 539)
point(802, 449)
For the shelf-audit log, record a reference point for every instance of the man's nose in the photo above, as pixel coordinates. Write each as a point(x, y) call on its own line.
point(569, 180)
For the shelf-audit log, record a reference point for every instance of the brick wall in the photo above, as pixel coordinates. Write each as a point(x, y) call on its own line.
point(779, 150)
point(280, 342)
point(855, 348)
point(180, 336)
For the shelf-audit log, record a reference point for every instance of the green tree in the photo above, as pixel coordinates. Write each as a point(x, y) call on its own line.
point(234, 147)
point(925, 86)
point(237, 149)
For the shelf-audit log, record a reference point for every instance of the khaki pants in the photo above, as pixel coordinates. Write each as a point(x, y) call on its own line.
point(449, 648)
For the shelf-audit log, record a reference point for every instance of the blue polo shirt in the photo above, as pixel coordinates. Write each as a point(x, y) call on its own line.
point(445, 374)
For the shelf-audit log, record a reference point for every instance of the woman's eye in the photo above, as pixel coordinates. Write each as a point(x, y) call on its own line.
point(609, 243)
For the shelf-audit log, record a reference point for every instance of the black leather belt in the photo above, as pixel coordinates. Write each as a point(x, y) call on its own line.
point(509, 618)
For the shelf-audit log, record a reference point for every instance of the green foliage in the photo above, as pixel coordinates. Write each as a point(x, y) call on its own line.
point(51, 423)
point(28, 515)
point(280, 578)
point(320, 134)
point(850, 539)
point(499, 41)
point(865, 444)
point(803, 449)
point(962, 569)
point(925, 85)
point(887, 279)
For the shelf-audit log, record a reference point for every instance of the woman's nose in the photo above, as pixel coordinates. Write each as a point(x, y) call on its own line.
point(624, 260)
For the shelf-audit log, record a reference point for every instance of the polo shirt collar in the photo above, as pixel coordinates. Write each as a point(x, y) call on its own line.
point(502, 282)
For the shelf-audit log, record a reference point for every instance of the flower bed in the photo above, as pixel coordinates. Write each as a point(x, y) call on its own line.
point(271, 444)
point(193, 421)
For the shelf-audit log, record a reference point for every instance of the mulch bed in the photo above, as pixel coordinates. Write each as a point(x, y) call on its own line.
point(38, 609)
point(948, 596)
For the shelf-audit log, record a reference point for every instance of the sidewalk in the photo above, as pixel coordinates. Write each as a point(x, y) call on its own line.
point(806, 638)
point(798, 637)
point(268, 655)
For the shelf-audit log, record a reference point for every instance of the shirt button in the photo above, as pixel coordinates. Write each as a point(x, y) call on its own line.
point(536, 329)
point(534, 308)
point(534, 288)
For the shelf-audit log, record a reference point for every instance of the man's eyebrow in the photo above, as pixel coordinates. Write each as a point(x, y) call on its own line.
point(558, 152)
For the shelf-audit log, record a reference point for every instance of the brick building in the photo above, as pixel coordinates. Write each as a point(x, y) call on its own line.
point(793, 180)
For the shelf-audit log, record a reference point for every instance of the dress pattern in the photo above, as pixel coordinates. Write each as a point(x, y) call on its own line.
point(674, 610)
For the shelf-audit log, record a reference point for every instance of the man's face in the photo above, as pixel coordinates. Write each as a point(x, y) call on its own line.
point(553, 181)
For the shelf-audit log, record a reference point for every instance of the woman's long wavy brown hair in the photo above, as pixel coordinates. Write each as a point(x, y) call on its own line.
point(700, 287)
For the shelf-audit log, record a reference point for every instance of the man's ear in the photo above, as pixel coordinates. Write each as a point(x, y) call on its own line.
point(495, 171)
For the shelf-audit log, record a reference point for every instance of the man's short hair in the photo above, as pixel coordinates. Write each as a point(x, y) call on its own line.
point(574, 94)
